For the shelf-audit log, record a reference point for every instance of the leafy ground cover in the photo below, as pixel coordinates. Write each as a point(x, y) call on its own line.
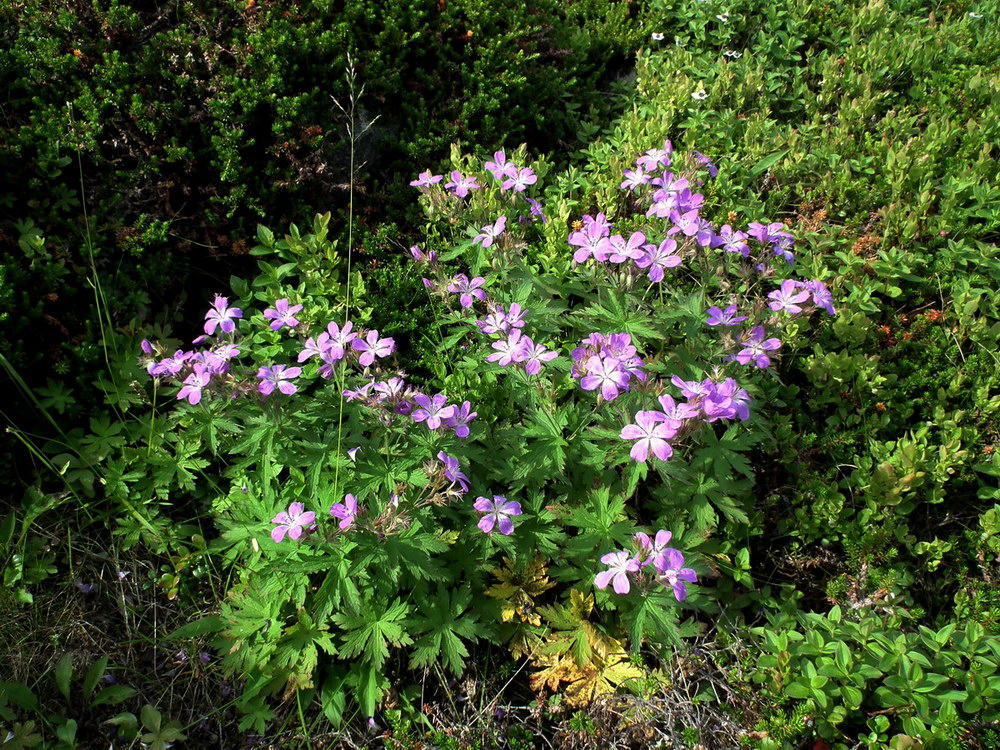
point(545, 485)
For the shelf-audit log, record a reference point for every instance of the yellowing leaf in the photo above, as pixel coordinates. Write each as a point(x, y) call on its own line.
point(518, 590)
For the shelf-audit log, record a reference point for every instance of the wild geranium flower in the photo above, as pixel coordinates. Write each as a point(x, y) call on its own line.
point(632, 248)
point(520, 180)
point(788, 297)
point(675, 414)
point(767, 233)
point(345, 511)
point(193, 384)
point(293, 522)
point(620, 564)
point(732, 241)
point(713, 171)
point(371, 346)
point(489, 233)
point(655, 158)
point(461, 185)
point(510, 349)
point(727, 317)
point(691, 389)
point(452, 472)
point(314, 347)
point(461, 285)
point(282, 314)
point(755, 348)
point(536, 354)
point(499, 167)
point(221, 316)
point(821, 296)
point(600, 222)
point(460, 418)
point(278, 376)
point(340, 339)
point(590, 241)
point(670, 564)
point(651, 549)
point(633, 179)
point(499, 513)
point(725, 400)
point(169, 365)
point(659, 257)
point(651, 433)
point(604, 373)
point(535, 208)
point(433, 410)
point(426, 179)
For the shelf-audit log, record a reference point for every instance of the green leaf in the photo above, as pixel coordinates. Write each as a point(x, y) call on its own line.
point(371, 633)
point(64, 675)
point(94, 674)
point(113, 695)
point(67, 732)
point(767, 162)
point(211, 624)
point(20, 695)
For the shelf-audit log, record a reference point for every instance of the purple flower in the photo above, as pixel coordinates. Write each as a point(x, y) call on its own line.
point(433, 410)
point(623, 249)
point(499, 167)
point(452, 472)
point(620, 564)
point(282, 314)
point(461, 185)
point(713, 171)
point(676, 414)
point(604, 373)
point(655, 158)
point(673, 573)
point(600, 222)
point(651, 549)
point(371, 346)
point(536, 354)
point(293, 522)
point(821, 296)
point(315, 347)
point(634, 179)
point(788, 297)
point(488, 234)
point(651, 434)
point(732, 241)
point(590, 241)
point(510, 349)
point(426, 179)
point(221, 315)
point(169, 365)
point(339, 340)
point(277, 376)
point(765, 233)
point(460, 418)
point(725, 400)
point(467, 289)
point(691, 390)
point(345, 511)
point(755, 348)
point(520, 180)
point(727, 317)
point(193, 384)
point(536, 208)
point(499, 513)
point(658, 258)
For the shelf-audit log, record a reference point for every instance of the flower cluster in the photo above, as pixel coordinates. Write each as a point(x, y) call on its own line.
point(594, 240)
point(334, 344)
point(654, 554)
point(608, 363)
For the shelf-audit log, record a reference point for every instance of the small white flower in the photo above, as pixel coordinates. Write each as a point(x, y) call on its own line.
point(732, 54)
point(975, 15)
point(656, 36)
point(723, 17)
point(700, 94)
